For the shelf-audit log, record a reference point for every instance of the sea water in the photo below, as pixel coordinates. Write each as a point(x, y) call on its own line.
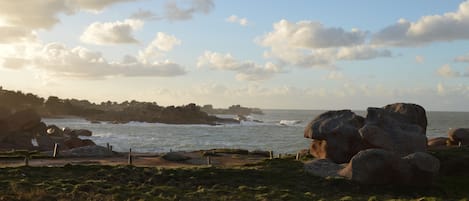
point(280, 131)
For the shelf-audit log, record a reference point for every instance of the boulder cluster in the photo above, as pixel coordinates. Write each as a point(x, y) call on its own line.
point(25, 130)
point(386, 146)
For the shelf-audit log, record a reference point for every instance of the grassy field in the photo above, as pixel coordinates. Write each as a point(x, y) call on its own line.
point(277, 179)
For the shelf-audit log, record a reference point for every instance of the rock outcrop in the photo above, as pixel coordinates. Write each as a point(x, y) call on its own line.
point(18, 131)
point(379, 166)
point(385, 147)
point(438, 142)
point(394, 131)
point(335, 135)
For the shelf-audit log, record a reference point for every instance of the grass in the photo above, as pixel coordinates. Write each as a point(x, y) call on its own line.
point(277, 179)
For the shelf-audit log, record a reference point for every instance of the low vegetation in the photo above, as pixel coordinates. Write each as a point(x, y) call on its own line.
point(277, 179)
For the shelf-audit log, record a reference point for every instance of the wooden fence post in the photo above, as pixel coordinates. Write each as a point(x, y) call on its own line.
point(130, 157)
point(26, 160)
point(209, 160)
point(297, 156)
point(271, 154)
point(56, 150)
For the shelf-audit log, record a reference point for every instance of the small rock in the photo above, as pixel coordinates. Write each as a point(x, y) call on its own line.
point(459, 135)
point(175, 156)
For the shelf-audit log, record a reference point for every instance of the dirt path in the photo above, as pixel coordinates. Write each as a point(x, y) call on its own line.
point(142, 159)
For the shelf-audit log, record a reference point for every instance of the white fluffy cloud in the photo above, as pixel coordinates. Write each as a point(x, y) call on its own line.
point(447, 71)
point(161, 43)
point(362, 52)
point(21, 17)
point(447, 27)
point(307, 34)
point(237, 20)
point(80, 62)
point(246, 70)
point(59, 61)
point(108, 33)
point(311, 44)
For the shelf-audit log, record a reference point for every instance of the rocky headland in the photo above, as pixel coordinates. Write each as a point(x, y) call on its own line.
point(113, 112)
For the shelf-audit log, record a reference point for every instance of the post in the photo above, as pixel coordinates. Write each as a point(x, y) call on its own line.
point(130, 157)
point(110, 148)
point(56, 150)
point(279, 155)
point(459, 144)
point(271, 154)
point(297, 156)
point(170, 150)
point(107, 146)
point(26, 160)
point(209, 160)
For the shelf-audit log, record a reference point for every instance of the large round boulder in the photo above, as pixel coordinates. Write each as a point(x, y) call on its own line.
point(371, 166)
point(337, 132)
point(459, 135)
point(423, 168)
point(392, 131)
point(413, 113)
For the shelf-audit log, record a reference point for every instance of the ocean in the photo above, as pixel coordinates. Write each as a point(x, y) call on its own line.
point(280, 131)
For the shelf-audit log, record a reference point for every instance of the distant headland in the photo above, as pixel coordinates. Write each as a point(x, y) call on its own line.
point(114, 112)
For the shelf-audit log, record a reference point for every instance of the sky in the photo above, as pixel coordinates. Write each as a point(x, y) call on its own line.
point(269, 54)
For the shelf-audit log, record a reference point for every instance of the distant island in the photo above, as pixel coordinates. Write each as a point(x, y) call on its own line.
point(234, 110)
point(123, 112)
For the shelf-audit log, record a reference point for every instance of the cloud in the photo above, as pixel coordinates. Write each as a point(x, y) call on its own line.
point(145, 15)
point(464, 58)
point(246, 70)
point(237, 20)
point(14, 63)
point(57, 61)
point(22, 17)
point(13, 34)
point(161, 43)
point(79, 62)
point(419, 59)
point(335, 75)
point(108, 33)
point(307, 34)
point(94, 5)
point(174, 12)
point(311, 44)
point(361, 52)
point(433, 28)
point(447, 71)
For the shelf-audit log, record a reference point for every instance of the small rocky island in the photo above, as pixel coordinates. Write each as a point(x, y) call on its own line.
point(233, 110)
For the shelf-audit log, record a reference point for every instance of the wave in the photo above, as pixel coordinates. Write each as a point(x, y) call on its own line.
point(289, 122)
